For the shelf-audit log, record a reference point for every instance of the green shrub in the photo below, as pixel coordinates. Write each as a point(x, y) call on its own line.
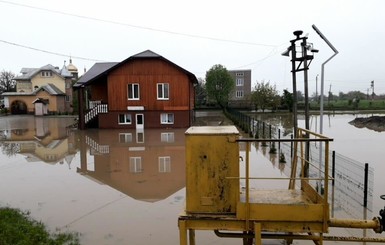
point(16, 227)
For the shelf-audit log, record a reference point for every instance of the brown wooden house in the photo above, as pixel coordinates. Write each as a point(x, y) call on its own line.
point(144, 91)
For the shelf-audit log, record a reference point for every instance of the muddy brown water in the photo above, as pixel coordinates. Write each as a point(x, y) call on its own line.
point(124, 186)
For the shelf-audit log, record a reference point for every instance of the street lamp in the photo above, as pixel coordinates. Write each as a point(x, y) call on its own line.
point(322, 87)
point(322, 75)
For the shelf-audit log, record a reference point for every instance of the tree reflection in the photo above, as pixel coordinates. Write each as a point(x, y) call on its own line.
point(9, 149)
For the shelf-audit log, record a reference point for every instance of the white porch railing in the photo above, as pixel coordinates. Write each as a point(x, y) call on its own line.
point(94, 103)
point(101, 149)
point(101, 108)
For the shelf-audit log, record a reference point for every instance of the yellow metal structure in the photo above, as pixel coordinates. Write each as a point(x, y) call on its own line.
point(215, 200)
point(212, 156)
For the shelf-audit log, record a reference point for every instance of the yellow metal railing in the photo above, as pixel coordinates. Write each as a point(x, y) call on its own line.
point(307, 137)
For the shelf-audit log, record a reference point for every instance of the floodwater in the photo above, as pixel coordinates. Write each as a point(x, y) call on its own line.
point(360, 144)
point(127, 186)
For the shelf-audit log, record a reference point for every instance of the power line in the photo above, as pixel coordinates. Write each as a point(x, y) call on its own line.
point(48, 52)
point(139, 27)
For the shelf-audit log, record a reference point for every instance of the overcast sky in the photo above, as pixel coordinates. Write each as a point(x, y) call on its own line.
point(242, 34)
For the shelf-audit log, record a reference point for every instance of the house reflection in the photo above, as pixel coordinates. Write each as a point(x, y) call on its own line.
point(40, 139)
point(146, 165)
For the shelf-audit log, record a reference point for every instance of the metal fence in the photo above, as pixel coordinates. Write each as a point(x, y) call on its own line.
point(352, 183)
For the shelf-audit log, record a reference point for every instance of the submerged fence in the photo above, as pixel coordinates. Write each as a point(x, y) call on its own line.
point(352, 180)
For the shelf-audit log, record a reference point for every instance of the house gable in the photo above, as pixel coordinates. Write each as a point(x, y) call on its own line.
point(147, 74)
point(34, 78)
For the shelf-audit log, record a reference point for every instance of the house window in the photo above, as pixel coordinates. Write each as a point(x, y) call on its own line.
point(136, 165)
point(167, 137)
point(68, 85)
point(240, 81)
point(165, 164)
point(35, 88)
point(50, 157)
point(239, 94)
point(125, 137)
point(46, 73)
point(163, 91)
point(139, 137)
point(68, 98)
point(239, 74)
point(167, 118)
point(125, 119)
point(133, 91)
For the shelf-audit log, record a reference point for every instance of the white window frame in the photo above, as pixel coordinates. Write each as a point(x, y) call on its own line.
point(164, 164)
point(125, 137)
point(239, 74)
point(139, 137)
point(239, 94)
point(167, 118)
point(126, 116)
point(46, 73)
point(136, 165)
point(167, 137)
point(134, 87)
point(163, 91)
point(240, 81)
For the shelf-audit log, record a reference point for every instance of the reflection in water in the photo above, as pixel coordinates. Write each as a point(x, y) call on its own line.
point(148, 166)
point(145, 170)
point(145, 165)
point(43, 140)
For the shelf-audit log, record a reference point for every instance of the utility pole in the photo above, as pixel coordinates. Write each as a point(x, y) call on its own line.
point(301, 64)
point(372, 86)
point(316, 88)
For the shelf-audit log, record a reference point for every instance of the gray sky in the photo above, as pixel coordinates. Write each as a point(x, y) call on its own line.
point(242, 34)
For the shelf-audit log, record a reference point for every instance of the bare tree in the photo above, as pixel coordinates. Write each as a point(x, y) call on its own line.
point(7, 81)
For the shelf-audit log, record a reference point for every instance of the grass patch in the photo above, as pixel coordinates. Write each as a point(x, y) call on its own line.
point(16, 227)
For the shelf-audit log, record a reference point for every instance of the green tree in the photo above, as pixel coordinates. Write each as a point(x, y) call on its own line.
point(287, 100)
point(200, 93)
point(7, 81)
point(219, 85)
point(265, 96)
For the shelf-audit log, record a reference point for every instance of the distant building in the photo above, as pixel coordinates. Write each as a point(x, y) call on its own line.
point(240, 97)
point(43, 90)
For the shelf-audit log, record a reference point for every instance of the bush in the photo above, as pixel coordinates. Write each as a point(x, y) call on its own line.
point(16, 227)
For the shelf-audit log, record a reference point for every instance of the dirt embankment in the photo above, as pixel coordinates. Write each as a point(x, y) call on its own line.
point(376, 123)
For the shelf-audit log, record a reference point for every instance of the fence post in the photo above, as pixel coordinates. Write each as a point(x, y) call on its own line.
point(257, 130)
point(366, 184)
point(333, 166)
point(263, 129)
point(253, 122)
point(270, 130)
point(291, 147)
